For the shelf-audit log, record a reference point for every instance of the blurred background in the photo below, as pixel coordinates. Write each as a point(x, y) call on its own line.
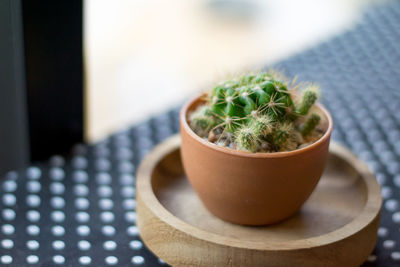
point(78, 71)
point(143, 57)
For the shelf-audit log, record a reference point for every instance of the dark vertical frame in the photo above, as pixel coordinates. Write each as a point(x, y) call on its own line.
point(53, 33)
point(14, 149)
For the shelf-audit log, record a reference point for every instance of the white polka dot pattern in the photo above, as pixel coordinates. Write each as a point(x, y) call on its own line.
point(33, 187)
point(84, 245)
point(58, 230)
point(32, 259)
point(104, 191)
point(107, 217)
point(82, 217)
point(135, 244)
point(132, 231)
point(395, 255)
point(33, 201)
point(33, 230)
point(57, 174)
point(111, 260)
point(6, 259)
point(58, 259)
point(85, 260)
point(108, 230)
point(32, 245)
point(106, 204)
point(7, 229)
point(8, 214)
point(79, 162)
point(33, 173)
point(80, 176)
point(33, 216)
point(9, 200)
point(109, 245)
point(9, 186)
point(82, 203)
point(137, 260)
point(57, 216)
point(7, 243)
point(58, 245)
point(57, 202)
point(83, 230)
point(57, 188)
point(103, 178)
point(84, 207)
point(81, 190)
point(389, 244)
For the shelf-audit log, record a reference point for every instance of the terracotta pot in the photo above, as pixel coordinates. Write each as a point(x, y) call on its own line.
point(251, 188)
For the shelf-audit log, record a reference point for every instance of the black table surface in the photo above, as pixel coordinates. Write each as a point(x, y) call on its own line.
point(81, 210)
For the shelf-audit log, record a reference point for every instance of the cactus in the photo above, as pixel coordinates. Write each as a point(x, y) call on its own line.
point(258, 113)
point(202, 119)
point(309, 98)
point(310, 124)
point(247, 140)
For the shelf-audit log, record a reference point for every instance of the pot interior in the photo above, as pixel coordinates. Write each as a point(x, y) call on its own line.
point(323, 124)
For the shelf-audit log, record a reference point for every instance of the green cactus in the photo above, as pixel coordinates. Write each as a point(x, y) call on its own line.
point(256, 111)
point(282, 133)
point(261, 125)
point(201, 119)
point(310, 124)
point(309, 97)
point(247, 140)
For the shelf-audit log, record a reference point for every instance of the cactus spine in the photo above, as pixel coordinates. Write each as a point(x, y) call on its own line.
point(258, 113)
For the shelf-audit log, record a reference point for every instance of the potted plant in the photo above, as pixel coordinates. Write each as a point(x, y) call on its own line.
point(255, 147)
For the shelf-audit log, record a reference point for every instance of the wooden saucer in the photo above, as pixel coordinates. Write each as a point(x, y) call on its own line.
point(337, 226)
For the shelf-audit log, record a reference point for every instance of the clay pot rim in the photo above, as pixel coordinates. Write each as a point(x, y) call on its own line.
point(246, 154)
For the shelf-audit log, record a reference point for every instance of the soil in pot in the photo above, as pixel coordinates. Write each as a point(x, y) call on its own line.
point(259, 113)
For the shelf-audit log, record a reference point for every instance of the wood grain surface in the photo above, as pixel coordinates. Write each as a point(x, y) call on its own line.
point(337, 226)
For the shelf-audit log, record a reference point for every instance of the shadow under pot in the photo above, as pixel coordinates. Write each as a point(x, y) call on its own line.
point(251, 188)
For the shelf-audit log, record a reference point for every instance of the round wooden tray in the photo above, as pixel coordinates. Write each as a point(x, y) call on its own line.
point(337, 226)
